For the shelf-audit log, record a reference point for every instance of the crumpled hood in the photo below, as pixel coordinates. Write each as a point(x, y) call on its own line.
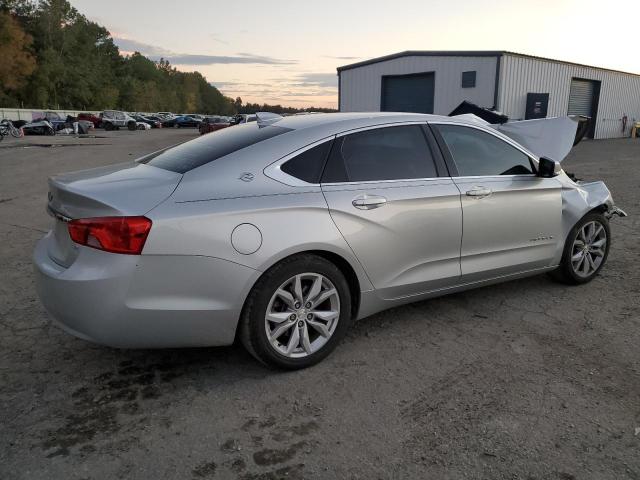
point(546, 137)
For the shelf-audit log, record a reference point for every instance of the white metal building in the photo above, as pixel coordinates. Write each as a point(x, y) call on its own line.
point(520, 86)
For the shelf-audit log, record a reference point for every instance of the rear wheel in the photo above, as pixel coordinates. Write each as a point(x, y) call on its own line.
point(297, 313)
point(108, 126)
point(586, 250)
point(132, 125)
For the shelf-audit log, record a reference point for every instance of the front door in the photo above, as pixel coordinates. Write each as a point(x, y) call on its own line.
point(512, 218)
point(403, 222)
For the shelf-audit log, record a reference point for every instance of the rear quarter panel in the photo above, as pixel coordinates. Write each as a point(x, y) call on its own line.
point(288, 224)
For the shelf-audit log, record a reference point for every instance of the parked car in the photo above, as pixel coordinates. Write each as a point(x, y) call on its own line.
point(243, 118)
point(95, 119)
point(181, 121)
point(114, 119)
point(188, 121)
point(155, 117)
point(153, 123)
point(287, 230)
point(7, 127)
point(211, 124)
point(39, 127)
point(54, 118)
point(84, 126)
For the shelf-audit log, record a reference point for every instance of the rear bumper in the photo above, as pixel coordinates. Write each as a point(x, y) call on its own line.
point(146, 301)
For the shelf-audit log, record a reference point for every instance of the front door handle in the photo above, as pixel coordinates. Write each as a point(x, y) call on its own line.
point(479, 192)
point(368, 202)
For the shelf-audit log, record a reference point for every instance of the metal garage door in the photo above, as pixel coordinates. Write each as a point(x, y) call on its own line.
point(581, 97)
point(408, 93)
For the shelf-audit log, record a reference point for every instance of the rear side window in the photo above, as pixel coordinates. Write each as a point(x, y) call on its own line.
point(477, 153)
point(391, 153)
point(205, 149)
point(309, 164)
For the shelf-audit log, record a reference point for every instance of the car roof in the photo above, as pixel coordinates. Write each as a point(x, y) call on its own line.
point(340, 122)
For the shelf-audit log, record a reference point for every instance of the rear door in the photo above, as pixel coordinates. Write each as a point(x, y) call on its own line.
point(512, 218)
point(402, 219)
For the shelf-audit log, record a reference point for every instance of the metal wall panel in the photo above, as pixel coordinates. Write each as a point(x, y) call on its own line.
point(619, 92)
point(360, 87)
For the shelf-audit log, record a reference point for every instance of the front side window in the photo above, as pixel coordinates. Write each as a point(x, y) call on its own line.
point(477, 153)
point(391, 153)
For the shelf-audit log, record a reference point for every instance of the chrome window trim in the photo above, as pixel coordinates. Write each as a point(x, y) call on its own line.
point(401, 180)
point(382, 125)
point(275, 172)
point(524, 176)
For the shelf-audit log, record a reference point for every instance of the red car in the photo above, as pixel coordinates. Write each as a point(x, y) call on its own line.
point(95, 119)
point(211, 124)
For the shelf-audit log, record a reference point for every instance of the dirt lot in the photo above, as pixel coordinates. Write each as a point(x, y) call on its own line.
point(525, 380)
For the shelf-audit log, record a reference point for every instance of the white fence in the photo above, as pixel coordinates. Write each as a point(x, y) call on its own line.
point(33, 114)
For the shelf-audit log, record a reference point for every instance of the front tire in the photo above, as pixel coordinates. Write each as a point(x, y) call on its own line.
point(585, 251)
point(296, 313)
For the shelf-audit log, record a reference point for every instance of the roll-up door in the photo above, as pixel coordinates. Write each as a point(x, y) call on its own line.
point(581, 97)
point(408, 93)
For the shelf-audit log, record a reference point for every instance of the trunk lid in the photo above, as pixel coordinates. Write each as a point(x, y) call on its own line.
point(115, 190)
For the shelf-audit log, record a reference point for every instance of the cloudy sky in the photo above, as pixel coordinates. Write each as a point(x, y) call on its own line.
point(287, 51)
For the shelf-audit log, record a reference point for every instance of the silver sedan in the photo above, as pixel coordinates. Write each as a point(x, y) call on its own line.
point(281, 232)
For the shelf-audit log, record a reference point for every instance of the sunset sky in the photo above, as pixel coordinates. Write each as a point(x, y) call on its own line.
point(285, 51)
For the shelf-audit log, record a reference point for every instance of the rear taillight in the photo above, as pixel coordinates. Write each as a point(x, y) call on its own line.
point(111, 234)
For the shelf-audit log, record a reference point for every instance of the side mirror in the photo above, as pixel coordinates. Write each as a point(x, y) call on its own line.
point(548, 168)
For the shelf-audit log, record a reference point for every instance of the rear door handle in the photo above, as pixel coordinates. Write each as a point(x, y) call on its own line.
point(479, 192)
point(368, 202)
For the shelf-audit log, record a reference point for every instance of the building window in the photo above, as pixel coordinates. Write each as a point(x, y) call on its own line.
point(469, 79)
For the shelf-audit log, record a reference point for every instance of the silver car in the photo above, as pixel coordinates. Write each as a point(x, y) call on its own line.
point(281, 232)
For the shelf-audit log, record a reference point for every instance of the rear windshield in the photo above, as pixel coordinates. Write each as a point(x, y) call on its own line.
point(210, 147)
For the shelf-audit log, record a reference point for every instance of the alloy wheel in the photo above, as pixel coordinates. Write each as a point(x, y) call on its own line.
point(302, 315)
point(588, 250)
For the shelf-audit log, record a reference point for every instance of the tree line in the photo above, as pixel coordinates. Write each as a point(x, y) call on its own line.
point(53, 57)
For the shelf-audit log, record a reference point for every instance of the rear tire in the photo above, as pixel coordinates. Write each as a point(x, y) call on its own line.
point(108, 126)
point(317, 327)
point(132, 126)
point(585, 251)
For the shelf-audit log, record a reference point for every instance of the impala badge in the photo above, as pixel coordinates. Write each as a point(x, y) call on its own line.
point(540, 238)
point(246, 177)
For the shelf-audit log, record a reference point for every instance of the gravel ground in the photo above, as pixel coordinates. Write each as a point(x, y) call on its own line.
point(524, 380)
